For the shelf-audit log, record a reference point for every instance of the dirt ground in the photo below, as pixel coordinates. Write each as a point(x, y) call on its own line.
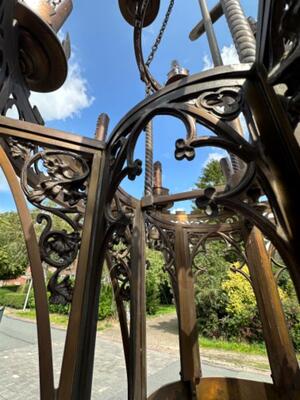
point(162, 335)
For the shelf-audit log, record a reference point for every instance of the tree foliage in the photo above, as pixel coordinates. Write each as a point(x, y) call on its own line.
point(211, 175)
point(13, 254)
point(157, 283)
point(210, 273)
point(242, 314)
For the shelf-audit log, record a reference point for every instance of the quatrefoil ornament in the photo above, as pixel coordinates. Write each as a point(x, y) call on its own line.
point(224, 103)
point(184, 150)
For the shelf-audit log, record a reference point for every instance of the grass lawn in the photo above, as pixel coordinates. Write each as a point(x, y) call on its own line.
point(57, 320)
point(239, 347)
point(163, 309)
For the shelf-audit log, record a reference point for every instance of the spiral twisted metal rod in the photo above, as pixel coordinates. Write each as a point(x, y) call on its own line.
point(240, 30)
point(148, 159)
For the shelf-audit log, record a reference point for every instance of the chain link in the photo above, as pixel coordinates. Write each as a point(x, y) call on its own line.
point(160, 35)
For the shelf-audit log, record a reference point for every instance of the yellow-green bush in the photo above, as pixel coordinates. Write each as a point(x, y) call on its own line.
point(243, 321)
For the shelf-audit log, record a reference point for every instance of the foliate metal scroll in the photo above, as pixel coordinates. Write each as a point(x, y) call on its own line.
point(56, 182)
point(119, 253)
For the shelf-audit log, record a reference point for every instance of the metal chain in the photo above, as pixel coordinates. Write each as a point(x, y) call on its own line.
point(149, 127)
point(160, 35)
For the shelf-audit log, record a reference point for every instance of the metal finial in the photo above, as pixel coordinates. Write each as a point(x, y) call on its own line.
point(177, 72)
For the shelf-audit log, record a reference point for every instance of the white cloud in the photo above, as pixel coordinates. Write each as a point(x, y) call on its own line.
point(3, 182)
point(229, 56)
point(67, 101)
point(214, 156)
point(207, 63)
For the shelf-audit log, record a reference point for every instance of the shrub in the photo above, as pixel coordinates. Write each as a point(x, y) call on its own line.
point(9, 289)
point(210, 271)
point(12, 299)
point(243, 322)
point(156, 281)
point(165, 293)
point(292, 312)
point(106, 304)
point(59, 309)
point(53, 308)
point(152, 293)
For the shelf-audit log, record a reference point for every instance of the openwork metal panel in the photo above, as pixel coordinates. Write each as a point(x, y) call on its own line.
point(77, 180)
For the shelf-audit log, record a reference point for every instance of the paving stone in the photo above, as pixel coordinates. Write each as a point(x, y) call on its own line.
point(19, 364)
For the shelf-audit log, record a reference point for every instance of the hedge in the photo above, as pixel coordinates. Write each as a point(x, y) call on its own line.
point(12, 298)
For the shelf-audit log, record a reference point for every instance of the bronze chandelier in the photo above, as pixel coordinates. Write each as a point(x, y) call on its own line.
point(82, 178)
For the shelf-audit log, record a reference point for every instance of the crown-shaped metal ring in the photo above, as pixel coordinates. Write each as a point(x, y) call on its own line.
point(42, 56)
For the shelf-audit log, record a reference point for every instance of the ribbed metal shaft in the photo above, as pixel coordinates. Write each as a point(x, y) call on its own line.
point(148, 159)
point(240, 30)
point(245, 45)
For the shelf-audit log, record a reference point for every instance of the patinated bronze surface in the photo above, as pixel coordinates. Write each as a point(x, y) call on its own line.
point(82, 179)
point(129, 8)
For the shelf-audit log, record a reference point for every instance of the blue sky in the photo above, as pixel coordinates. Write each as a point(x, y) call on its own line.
point(103, 77)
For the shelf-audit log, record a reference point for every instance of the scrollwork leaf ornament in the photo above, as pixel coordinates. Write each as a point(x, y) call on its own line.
point(119, 253)
point(20, 148)
point(58, 249)
point(61, 177)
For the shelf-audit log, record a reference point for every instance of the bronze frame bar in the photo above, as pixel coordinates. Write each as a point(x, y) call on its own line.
point(137, 389)
point(188, 332)
point(77, 366)
point(215, 13)
point(47, 391)
point(281, 353)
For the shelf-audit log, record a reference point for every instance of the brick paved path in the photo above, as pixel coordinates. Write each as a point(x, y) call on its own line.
point(19, 368)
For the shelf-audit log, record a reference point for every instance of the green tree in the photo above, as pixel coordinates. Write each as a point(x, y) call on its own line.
point(13, 254)
point(211, 175)
point(157, 283)
point(210, 270)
